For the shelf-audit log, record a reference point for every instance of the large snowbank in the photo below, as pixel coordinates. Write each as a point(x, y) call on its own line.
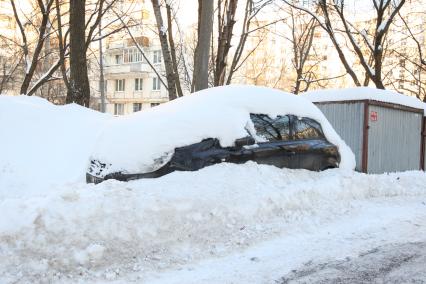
point(42, 143)
point(141, 142)
point(54, 228)
point(363, 93)
point(114, 228)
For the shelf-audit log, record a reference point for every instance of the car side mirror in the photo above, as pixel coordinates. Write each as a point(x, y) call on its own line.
point(245, 141)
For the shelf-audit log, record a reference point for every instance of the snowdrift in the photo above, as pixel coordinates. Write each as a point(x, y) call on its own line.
point(114, 228)
point(47, 144)
point(43, 144)
point(143, 142)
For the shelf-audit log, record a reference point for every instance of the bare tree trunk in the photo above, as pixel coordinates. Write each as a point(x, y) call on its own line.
point(302, 45)
point(79, 91)
point(383, 8)
point(31, 64)
point(168, 63)
point(173, 50)
point(101, 72)
point(202, 51)
point(226, 21)
point(62, 46)
point(330, 31)
point(250, 12)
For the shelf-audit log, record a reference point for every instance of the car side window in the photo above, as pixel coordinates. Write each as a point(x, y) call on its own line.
point(306, 128)
point(271, 129)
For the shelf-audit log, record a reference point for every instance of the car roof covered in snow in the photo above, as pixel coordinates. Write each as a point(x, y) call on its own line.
point(363, 93)
point(139, 142)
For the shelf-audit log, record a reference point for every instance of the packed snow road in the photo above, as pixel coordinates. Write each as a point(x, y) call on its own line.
point(223, 224)
point(392, 263)
point(365, 247)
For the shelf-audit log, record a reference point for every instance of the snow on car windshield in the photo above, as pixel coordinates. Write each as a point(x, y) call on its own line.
point(144, 141)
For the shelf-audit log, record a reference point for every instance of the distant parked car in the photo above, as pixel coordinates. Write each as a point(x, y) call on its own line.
point(285, 140)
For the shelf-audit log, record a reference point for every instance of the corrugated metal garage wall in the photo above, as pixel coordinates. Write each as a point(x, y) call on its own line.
point(394, 140)
point(347, 119)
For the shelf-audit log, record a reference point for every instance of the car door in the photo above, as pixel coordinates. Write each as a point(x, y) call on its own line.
point(274, 137)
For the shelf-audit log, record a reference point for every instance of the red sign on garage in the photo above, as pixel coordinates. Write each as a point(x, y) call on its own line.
point(373, 116)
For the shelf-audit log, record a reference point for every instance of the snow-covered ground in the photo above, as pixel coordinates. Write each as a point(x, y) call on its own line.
point(223, 224)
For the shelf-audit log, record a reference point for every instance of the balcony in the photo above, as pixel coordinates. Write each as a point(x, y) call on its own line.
point(137, 96)
point(127, 68)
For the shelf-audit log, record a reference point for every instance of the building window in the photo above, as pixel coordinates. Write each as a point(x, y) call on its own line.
point(137, 107)
point(119, 85)
point(154, 104)
point(306, 3)
point(132, 55)
point(156, 84)
point(138, 84)
point(118, 109)
point(157, 56)
point(118, 59)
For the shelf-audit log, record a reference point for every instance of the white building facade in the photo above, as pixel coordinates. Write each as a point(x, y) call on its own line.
point(131, 84)
point(132, 79)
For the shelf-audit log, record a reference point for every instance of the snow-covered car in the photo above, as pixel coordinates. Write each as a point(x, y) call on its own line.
point(232, 124)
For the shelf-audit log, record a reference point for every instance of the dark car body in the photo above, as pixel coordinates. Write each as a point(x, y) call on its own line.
point(285, 142)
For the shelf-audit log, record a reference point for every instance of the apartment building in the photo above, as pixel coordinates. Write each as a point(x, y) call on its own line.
point(132, 79)
point(410, 77)
point(272, 56)
point(271, 62)
point(131, 84)
point(8, 52)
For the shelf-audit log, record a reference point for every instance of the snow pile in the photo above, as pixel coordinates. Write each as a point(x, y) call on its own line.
point(44, 144)
point(57, 229)
point(363, 93)
point(145, 226)
point(143, 141)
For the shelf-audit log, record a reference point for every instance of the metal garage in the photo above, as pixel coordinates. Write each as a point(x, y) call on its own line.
point(383, 128)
